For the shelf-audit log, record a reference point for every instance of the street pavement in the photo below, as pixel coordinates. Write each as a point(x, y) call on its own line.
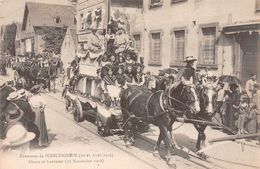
point(88, 150)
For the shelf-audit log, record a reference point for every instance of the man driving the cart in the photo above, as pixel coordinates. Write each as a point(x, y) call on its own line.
point(187, 74)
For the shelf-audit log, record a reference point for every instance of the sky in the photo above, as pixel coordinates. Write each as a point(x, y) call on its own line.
point(12, 10)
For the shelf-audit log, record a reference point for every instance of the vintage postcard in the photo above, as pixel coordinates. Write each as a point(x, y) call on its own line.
point(129, 84)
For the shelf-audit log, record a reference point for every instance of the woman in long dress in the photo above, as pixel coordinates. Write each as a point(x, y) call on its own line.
point(38, 104)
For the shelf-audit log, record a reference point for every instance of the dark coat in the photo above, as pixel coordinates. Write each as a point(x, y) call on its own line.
point(28, 119)
point(4, 92)
point(29, 115)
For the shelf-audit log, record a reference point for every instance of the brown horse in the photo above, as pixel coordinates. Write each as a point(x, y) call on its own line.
point(159, 108)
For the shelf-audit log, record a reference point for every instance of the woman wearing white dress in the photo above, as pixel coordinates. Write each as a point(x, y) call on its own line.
point(38, 104)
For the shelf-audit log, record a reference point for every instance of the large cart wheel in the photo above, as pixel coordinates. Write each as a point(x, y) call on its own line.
point(102, 129)
point(78, 111)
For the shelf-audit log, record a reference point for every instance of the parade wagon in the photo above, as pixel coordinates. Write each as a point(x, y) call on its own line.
point(87, 100)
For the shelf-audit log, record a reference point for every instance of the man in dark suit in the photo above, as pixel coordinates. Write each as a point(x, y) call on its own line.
point(5, 90)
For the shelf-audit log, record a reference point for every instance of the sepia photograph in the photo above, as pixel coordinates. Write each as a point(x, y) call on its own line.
point(129, 84)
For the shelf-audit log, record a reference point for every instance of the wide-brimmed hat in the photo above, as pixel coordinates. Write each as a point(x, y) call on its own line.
point(21, 92)
point(17, 135)
point(13, 113)
point(36, 89)
point(13, 96)
point(190, 59)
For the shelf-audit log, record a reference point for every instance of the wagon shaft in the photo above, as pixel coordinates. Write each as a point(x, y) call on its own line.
point(235, 137)
point(202, 122)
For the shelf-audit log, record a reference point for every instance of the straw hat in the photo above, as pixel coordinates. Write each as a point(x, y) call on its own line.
point(13, 96)
point(21, 92)
point(189, 59)
point(36, 89)
point(17, 135)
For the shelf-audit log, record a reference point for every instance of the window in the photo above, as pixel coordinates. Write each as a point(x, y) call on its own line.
point(155, 48)
point(82, 25)
point(257, 5)
point(98, 14)
point(208, 46)
point(98, 17)
point(176, 1)
point(138, 43)
point(57, 19)
point(88, 21)
point(155, 3)
point(178, 46)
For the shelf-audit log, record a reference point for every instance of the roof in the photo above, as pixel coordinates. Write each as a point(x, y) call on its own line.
point(43, 14)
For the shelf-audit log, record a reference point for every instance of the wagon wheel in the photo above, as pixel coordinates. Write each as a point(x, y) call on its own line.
point(67, 103)
point(101, 128)
point(78, 112)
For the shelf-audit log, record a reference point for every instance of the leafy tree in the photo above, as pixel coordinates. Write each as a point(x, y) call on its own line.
point(9, 39)
point(53, 38)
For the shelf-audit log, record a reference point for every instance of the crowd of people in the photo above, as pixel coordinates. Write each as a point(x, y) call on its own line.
point(238, 109)
point(22, 123)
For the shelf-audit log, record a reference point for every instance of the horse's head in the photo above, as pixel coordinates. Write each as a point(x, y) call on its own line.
point(208, 96)
point(190, 98)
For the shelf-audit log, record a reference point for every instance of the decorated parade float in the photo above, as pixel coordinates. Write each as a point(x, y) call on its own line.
point(87, 98)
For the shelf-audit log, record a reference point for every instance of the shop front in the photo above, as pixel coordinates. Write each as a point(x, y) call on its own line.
point(246, 49)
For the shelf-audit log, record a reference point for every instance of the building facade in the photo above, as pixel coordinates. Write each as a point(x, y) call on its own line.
point(39, 16)
point(223, 35)
point(68, 48)
point(19, 40)
point(96, 14)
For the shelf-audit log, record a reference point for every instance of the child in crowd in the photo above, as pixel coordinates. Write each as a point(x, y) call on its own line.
point(243, 110)
point(129, 74)
point(128, 59)
point(120, 77)
point(121, 61)
point(139, 77)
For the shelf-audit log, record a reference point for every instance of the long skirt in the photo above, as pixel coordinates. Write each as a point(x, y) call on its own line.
point(40, 122)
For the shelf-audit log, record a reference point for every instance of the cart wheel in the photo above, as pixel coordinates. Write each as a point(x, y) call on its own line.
point(67, 103)
point(101, 128)
point(78, 112)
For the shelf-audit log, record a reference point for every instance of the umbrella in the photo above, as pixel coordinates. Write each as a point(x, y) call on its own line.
point(229, 79)
point(169, 71)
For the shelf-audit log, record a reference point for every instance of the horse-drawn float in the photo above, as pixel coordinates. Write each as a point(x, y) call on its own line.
point(87, 99)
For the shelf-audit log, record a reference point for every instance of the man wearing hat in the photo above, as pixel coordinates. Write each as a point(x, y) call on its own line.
point(187, 74)
point(5, 90)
